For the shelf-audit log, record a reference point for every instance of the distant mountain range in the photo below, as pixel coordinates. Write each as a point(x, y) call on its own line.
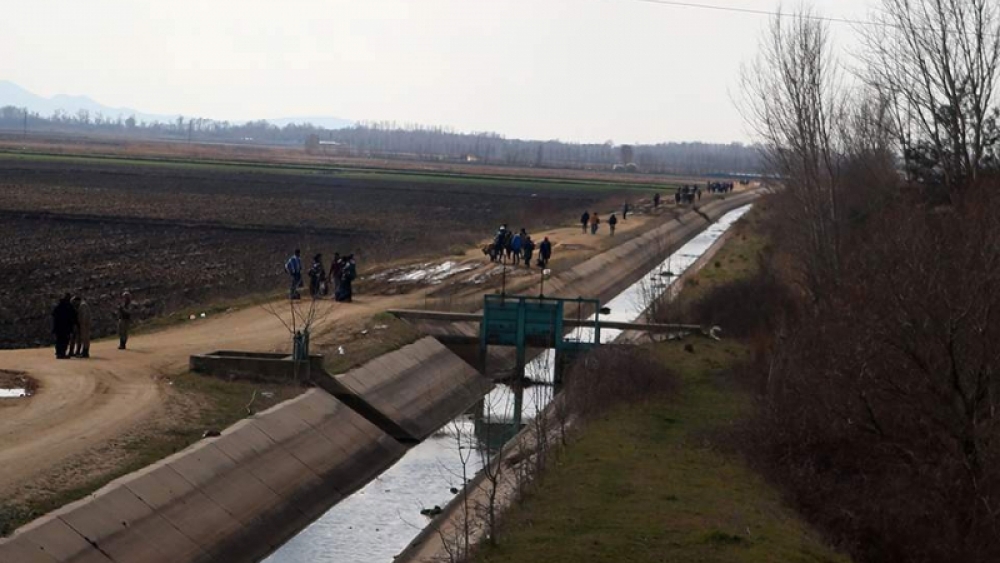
point(13, 95)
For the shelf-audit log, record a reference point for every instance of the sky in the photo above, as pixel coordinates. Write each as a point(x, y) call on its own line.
point(576, 70)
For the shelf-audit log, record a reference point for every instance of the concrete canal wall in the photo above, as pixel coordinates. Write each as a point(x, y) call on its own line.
point(237, 497)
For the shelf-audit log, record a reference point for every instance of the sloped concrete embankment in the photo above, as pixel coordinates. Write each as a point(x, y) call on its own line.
point(237, 497)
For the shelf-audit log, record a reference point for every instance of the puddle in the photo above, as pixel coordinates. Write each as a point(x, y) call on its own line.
point(380, 520)
point(429, 273)
point(16, 385)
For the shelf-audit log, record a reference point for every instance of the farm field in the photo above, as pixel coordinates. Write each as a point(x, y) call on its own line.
point(179, 234)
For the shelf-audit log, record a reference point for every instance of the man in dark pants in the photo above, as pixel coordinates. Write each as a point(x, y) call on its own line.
point(544, 253)
point(63, 323)
point(585, 220)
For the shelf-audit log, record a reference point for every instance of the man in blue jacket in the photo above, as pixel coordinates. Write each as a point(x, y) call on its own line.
point(294, 268)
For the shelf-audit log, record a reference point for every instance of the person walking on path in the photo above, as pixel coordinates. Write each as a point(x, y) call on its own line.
point(350, 272)
point(63, 322)
point(125, 310)
point(316, 272)
point(612, 221)
point(83, 322)
point(515, 248)
point(528, 247)
point(336, 271)
point(656, 200)
point(625, 209)
point(594, 222)
point(498, 243)
point(294, 269)
point(584, 220)
point(544, 253)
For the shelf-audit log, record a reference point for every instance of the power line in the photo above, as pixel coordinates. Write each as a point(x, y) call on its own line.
point(759, 12)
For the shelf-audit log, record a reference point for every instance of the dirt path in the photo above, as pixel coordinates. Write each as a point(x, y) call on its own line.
point(81, 404)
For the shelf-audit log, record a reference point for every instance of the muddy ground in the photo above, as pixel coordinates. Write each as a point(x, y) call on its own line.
point(178, 236)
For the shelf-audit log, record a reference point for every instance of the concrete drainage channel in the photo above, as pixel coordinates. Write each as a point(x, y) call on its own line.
point(350, 445)
point(379, 521)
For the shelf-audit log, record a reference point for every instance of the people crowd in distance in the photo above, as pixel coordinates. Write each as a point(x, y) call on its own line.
point(513, 248)
point(337, 281)
point(72, 324)
point(72, 316)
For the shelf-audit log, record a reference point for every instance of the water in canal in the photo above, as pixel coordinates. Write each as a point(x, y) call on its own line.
point(380, 520)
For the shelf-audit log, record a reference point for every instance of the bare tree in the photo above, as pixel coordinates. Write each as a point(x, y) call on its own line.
point(794, 101)
point(935, 62)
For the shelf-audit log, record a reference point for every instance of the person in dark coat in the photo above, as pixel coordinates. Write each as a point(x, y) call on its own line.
point(336, 270)
point(585, 220)
point(125, 310)
point(350, 272)
point(612, 221)
point(316, 272)
point(544, 253)
point(63, 323)
point(625, 209)
point(528, 247)
point(656, 200)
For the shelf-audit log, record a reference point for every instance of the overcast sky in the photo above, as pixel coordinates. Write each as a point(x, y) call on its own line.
point(576, 70)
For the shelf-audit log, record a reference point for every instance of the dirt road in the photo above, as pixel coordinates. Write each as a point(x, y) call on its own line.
point(82, 404)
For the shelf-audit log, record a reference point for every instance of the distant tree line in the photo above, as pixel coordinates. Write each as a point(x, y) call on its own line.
point(391, 140)
point(385, 139)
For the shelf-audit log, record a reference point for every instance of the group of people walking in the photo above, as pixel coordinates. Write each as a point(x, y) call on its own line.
point(721, 187)
point(687, 194)
point(72, 324)
point(338, 281)
point(515, 247)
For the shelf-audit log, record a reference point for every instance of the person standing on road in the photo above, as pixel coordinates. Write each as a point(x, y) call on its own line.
point(656, 200)
point(294, 269)
point(63, 322)
point(528, 246)
point(336, 271)
point(74, 337)
point(125, 310)
point(544, 253)
point(625, 209)
point(594, 222)
point(316, 272)
point(515, 248)
point(612, 221)
point(83, 327)
point(584, 220)
point(346, 294)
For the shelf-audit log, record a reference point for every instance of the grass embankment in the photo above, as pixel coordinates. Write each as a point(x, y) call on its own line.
point(196, 404)
point(647, 482)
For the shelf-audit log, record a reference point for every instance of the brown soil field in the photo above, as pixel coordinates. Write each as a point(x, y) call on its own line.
point(116, 146)
point(178, 236)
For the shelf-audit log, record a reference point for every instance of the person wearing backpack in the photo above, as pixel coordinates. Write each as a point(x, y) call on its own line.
point(293, 267)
